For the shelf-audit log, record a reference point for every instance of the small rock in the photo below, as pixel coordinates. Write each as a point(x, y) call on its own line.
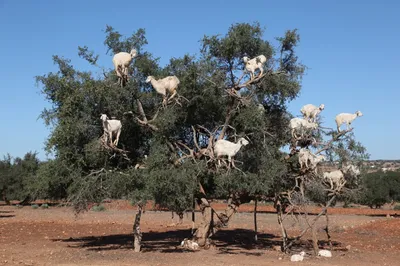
point(348, 247)
point(276, 248)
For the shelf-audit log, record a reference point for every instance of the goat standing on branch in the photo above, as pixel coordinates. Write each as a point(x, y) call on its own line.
point(254, 64)
point(162, 86)
point(225, 147)
point(121, 63)
point(297, 124)
point(308, 159)
point(111, 127)
point(310, 111)
point(346, 118)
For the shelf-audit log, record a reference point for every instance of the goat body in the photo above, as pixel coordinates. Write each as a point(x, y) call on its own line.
point(346, 118)
point(298, 123)
point(162, 86)
point(306, 156)
point(111, 127)
point(311, 111)
point(121, 63)
point(253, 64)
point(335, 177)
point(224, 147)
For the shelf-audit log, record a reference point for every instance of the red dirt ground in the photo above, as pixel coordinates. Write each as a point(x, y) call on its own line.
point(55, 236)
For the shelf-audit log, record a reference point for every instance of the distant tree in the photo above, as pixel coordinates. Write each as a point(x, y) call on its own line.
point(380, 188)
point(17, 175)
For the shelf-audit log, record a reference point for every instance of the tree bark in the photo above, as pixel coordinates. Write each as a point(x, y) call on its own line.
point(327, 229)
point(315, 239)
point(4, 195)
point(208, 227)
point(205, 230)
point(137, 234)
point(255, 221)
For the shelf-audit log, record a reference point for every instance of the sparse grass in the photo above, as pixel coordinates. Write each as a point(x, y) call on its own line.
point(98, 208)
point(34, 206)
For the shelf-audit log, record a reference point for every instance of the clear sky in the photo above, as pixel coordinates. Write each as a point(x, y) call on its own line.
point(350, 47)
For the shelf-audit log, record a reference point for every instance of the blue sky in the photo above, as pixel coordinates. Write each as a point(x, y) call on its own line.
point(350, 48)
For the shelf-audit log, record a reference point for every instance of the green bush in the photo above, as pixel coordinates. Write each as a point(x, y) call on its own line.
point(396, 207)
point(44, 206)
point(98, 208)
point(35, 206)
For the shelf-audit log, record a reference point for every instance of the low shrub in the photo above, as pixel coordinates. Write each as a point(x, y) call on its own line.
point(98, 208)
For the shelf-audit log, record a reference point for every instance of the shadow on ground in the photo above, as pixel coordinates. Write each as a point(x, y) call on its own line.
point(235, 241)
point(8, 214)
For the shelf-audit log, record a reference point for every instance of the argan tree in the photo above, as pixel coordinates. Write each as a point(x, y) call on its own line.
point(165, 153)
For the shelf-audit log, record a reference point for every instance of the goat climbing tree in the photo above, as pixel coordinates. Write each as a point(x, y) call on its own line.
point(165, 153)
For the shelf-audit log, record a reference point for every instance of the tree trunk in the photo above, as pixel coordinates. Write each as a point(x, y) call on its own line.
point(315, 239)
point(280, 212)
point(193, 215)
point(205, 230)
point(137, 234)
point(208, 227)
point(327, 229)
point(4, 195)
point(255, 221)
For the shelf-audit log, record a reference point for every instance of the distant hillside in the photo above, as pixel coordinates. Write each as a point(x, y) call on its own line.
point(372, 165)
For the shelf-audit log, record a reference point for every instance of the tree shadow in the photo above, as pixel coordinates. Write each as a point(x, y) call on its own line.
point(226, 241)
point(151, 241)
point(9, 214)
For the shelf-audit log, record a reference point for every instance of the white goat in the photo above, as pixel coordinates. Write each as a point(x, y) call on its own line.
point(325, 253)
point(351, 170)
point(306, 156)
point(298, 257)
point(111, 127)
point(225, 147)
point(299, 123)
point(162, 86)
point(335, 178)
point(121, 63)
point(254, 64)
point(346, 118)
point(310, 111)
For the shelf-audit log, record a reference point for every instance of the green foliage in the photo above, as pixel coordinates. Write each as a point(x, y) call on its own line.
point(17, 175)
point(396, 207)
point(380, 188)
point(35, 206)
point(98, 208)
point(84, 172)
point(44, 206)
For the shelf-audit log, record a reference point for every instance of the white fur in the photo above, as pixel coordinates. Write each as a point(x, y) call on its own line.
point(121, 63)
point(325, 253)
point(298, 123)
point(224, 147)
point(351, 170)
point(254, 64)
point(306, 156)
point(335, 178)
point(162, 86)
point(111, 127)
point(298, 257)
point(310, 111)
point(346, 118)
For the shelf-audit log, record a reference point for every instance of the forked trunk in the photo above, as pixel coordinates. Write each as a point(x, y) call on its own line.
point(137, 234)
point(210, 225)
